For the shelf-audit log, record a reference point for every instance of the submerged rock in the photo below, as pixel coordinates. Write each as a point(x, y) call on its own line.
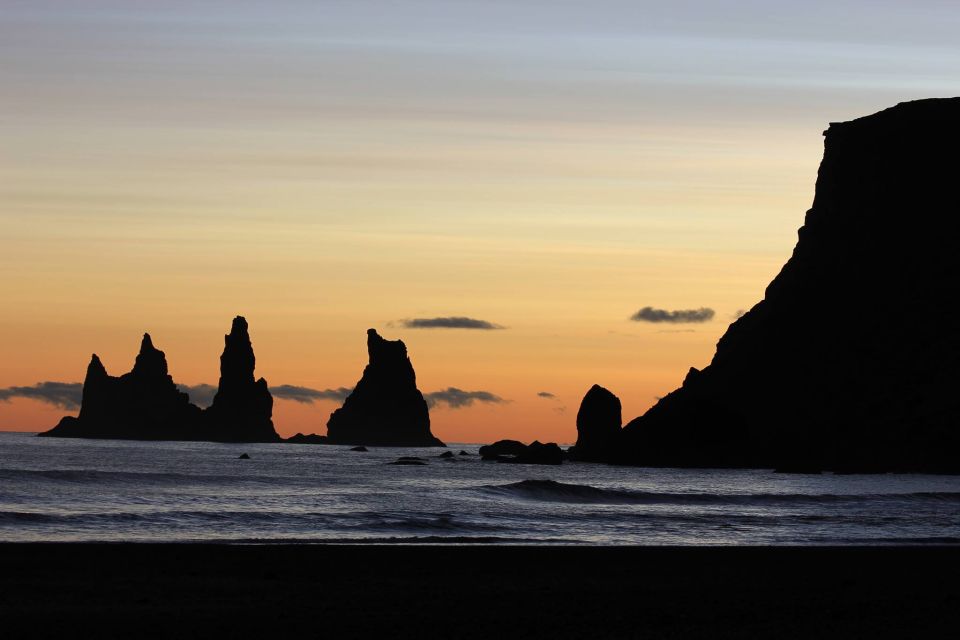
point(851, 360)
point(244, 456)
point(385, 408)
point(361, 449)
point(446, 454)
point(410, 461)
point(242, 410)
point(598, 425)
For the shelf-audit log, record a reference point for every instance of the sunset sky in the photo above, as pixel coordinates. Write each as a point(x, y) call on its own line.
point(548, 167)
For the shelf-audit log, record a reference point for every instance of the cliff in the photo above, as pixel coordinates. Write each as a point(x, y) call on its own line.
point(385, 408)
point(851, 360)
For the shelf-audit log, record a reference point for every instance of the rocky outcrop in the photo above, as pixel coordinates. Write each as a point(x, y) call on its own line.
point(502, 448)
point(144, 404)
point(385, 408)
point(242, 410)
point(851, 360)
point(516, 452)
point(598, 425)
point(306, 438)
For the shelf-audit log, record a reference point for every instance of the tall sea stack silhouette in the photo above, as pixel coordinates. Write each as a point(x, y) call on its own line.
point(144, 404)
point(242, 410)
point(598, 425)
point(852, 360)
point(385, 408)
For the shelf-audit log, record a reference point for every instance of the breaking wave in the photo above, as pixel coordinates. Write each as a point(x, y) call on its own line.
point(552, 491)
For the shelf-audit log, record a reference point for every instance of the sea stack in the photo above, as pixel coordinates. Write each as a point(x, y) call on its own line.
point(242, 410)
point(598, 425)
point(851, 362)
point(385, 408)
point(144, 404)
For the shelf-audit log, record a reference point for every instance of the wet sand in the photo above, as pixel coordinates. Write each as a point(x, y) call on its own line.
point(426, 591)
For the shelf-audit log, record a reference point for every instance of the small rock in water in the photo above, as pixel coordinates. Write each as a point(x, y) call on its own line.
point(464, 453)
point(410, 460)
point(244, 456)
point(446, 454)
point(360, 448)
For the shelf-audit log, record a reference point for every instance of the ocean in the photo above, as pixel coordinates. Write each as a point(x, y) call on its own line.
point(105, 490)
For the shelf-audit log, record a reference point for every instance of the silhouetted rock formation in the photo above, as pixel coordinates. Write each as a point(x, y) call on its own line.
point(244, 456)
point(309, 438)
point(502, 448)
point(385, 408)
point(242, 410)
point(516, 452)
point(411, 461)
point(598, 425)
point(851, 361)
point(360, 449)
point(144, 404)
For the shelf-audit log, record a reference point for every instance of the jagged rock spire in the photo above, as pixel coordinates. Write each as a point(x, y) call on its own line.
point(385, 408)
point(242, 410)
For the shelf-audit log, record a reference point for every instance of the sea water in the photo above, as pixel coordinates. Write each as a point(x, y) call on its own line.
point(106, 490)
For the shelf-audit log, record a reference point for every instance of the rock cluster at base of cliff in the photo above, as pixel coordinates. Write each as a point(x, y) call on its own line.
point(598, 426)
point(850, 362)
point(385, 408)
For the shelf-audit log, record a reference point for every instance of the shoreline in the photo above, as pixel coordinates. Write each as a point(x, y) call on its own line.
point(417, 590)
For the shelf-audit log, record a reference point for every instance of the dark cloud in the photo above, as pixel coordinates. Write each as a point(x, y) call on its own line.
point(453, 322)
point(66, 395)
point(306, 395)
point(200, 394)
point(680, 316)
point(546, 394)
point(458, 398)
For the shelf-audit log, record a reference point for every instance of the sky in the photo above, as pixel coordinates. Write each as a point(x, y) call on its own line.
point(550, 168)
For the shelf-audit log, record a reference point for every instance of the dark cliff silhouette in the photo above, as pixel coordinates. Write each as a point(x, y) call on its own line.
point(851, 361)
point(145, 404)
point(599, 422)
point(243, 407)
point(385, 408)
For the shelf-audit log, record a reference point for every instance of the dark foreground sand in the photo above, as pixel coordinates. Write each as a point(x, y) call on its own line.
point(279, 591)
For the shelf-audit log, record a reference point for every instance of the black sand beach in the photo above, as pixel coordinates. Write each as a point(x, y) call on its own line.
point(186, 591)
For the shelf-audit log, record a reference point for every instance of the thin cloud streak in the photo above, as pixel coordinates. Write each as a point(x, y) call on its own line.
point(306, 395)
point(456, 398)
point(200, 394)
point(66, 395)
point(451, 322)
point(679, 316)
